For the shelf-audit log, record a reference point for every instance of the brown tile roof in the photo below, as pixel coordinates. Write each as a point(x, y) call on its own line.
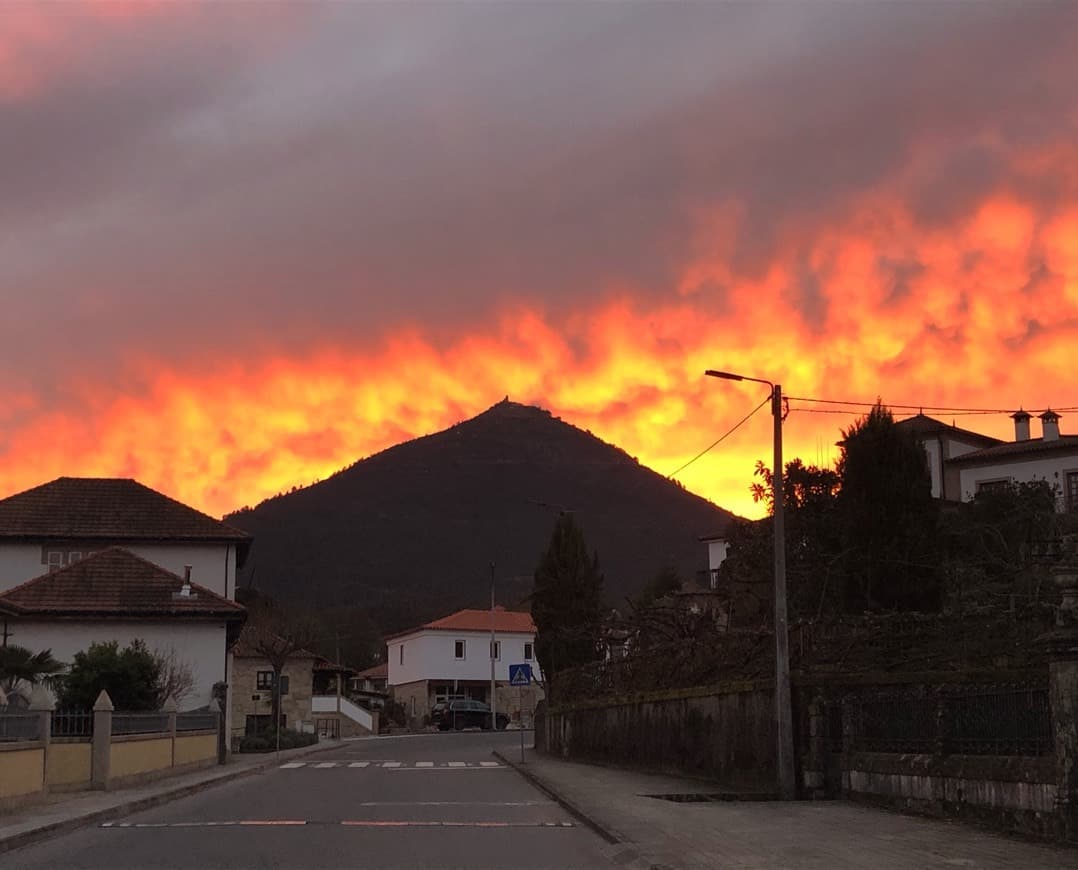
point(477, 620)
point(1017, 450)
point(922, 424)
point(116, 583)
point(109, 509)
point(378, 672)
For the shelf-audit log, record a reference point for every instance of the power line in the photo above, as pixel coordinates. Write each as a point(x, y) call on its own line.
point(919, 407)
point(730, 432)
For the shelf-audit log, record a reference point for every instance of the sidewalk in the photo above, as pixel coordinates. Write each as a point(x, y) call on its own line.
point(806, 835)
point(59, 813)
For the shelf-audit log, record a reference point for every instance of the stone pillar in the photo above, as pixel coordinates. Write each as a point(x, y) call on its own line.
point(1062, 646)
point(170, 706)
point(102, 742)
point(222, 736)
point(42, 703)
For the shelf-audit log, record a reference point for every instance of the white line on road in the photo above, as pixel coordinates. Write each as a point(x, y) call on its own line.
point(326, 764)
point(391, 764)
point(489, 764)
point(293, 764)
point(359, 764)
point(424, 764)
point(458, 764)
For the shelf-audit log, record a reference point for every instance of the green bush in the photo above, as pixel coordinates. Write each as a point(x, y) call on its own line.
point(266, 741)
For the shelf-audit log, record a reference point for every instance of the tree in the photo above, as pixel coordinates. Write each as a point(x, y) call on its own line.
point(666, 582)
point(888, 517)
point(131, 676)
point(277, 634)
point(566, 600)
point(21, 670)
point(175, 677)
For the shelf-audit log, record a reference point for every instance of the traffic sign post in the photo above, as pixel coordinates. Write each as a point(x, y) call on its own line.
point(520, 676)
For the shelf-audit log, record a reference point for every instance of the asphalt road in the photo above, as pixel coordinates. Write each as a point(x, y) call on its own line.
point(431, 801)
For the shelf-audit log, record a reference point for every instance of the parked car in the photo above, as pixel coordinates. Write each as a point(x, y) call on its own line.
point(459, 714)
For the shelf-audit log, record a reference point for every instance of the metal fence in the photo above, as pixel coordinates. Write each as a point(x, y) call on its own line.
point(992, 719)
point(20, 726)
point(196, 721)
point(72, 723)
point(140, 723)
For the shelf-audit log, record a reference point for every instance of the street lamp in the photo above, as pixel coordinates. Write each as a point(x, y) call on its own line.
point(784, 736)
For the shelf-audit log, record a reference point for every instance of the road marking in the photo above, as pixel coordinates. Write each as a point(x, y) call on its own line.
point(424, 764)
point(368, 823)
point(359, 764)
point(464, 769)
point(351, 823)
point(326, 764)
point(391, 764)
point(293, 764)
point(397, 765)
point(455, 803)
point(489, 764)
point(458, 764)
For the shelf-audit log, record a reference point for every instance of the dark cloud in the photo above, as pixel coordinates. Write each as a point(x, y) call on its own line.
point(224, 190)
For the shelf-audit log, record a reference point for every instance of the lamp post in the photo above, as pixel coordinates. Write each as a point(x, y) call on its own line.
point(784, 737)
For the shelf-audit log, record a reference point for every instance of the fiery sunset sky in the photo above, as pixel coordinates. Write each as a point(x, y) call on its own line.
point(243, 245)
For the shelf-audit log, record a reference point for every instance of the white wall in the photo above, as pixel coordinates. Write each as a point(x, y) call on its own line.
point(430, 655)
point(19, 563)
point(717, 551)
point(200, 644)
point(212, 565)
point(1052, 469)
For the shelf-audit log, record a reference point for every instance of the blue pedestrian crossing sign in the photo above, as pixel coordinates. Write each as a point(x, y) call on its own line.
point(520, 675)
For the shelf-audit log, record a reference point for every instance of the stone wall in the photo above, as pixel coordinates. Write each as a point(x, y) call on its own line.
point(721, 733)
point(249, 700)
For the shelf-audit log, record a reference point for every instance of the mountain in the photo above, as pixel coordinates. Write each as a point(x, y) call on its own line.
point(409, 533)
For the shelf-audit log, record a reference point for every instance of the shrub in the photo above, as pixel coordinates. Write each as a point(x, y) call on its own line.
point(266, 741)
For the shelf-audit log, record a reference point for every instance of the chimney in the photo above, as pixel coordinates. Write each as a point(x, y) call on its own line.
point(1021, 425)
point(1050, 422)
point(185, 590)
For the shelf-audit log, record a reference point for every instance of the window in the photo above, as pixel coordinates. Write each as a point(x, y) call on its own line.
point(458, 649)
point(56, 560)
point(496, 650)
point(284, 684)
point(993, 485)
point(402, 653)
point(73, 557)
point(528, 651)
point(264, 680)
point(1072, 491)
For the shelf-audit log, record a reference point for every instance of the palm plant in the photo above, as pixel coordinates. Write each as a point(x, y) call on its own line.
point(20, 668)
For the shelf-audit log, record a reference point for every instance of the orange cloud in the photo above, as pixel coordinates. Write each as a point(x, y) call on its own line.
point(967, 327)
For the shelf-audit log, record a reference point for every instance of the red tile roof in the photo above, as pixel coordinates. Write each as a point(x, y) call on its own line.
point(378, 672)
point(108, 509)
point(116, 583)
point(1017, 449)
point(477, 620)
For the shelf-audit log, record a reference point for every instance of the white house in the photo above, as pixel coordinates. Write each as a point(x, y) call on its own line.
point(57, 525)
point(944, 443)
point(963, 463)
point(113, 594)
point(451, 657)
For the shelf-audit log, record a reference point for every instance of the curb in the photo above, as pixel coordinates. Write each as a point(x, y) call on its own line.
point(66, 826)
point(567, 805)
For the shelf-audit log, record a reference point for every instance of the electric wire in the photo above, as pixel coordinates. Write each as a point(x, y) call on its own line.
point(722, 438)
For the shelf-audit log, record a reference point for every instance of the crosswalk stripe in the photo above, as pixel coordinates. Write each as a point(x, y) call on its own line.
point(489, 764)
point(424, 764)
point(293, 764)
point(359, 764)
point(458, 764)
point(391, 764)
point(325, 764)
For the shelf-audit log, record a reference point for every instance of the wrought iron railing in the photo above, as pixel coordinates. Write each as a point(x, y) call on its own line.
point(72, 723)
point(20, 726)
point(196, 721)
point(140, 723)
point(989, 719)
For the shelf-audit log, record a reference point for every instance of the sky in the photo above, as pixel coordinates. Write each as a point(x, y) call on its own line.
point(243, 245)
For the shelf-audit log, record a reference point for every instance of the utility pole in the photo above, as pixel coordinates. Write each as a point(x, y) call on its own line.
point(783, 709)
point(785, 775)
point(493, 683)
